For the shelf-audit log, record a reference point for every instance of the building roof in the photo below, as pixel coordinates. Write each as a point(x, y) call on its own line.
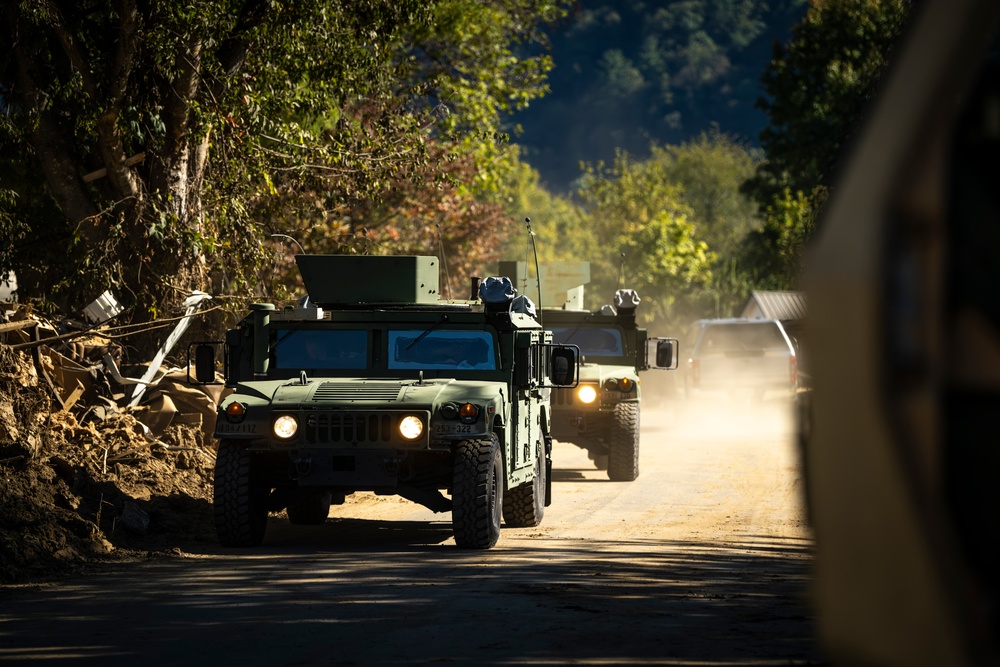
point(784, 306)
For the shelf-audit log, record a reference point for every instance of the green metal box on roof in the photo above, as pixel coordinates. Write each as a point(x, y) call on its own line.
point(351, 279)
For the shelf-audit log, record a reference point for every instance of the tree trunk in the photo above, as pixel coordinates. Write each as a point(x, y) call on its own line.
point(169, 176)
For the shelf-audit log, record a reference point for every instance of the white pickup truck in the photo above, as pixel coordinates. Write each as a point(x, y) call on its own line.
point(738, 357)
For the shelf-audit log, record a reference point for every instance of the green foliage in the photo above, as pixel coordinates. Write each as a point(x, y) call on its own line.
point(470, 59)
point(818, 86)
point(775, 251)
point(620, 77)
point(672, 226)
point(647, 240)
point(561, 229)
point(710, 170)
point(209, 125)
point(628, 74)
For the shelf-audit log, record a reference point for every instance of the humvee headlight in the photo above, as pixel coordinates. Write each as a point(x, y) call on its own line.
point(235, 412)
point(586, 393)
point(468, 412)
point(285, 427)
point(411, 427)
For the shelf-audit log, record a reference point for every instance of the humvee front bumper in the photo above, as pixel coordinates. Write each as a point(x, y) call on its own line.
point(356, 468)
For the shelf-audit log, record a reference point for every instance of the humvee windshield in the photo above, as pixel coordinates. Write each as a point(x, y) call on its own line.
point(322, 348)
point(408, 349)
point(603, 342)
point(441, 350)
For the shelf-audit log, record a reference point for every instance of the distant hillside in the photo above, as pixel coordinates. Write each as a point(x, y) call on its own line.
point(628, 73)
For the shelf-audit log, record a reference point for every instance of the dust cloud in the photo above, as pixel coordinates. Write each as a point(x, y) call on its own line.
point(721, 416)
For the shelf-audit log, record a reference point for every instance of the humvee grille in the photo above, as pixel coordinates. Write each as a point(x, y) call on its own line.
point(357, 391)
point(563, 397)
point(355, 428)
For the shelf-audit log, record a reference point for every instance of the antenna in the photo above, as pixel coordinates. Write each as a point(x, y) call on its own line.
point(621, 272)
point(444, 264)
point(274, 269)
point(538, 275)
point(290, 238)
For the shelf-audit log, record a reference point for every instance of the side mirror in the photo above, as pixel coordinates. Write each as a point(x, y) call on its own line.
point(667, 353)
point(204, 363)
point(562, 367)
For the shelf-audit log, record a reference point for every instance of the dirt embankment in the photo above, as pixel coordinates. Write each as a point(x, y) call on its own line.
point(94, 486)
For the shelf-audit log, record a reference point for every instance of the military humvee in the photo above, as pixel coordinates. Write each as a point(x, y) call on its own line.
point(600, 414)
point(374, 383)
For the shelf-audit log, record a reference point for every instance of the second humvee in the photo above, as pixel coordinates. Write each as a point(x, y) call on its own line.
point(600, 414)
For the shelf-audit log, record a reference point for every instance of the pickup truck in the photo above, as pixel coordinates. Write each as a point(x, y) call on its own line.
point(741, 358)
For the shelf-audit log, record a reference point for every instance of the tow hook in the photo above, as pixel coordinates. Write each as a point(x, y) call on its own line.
point(577, 423)
point(390, 466)
point(303, 465)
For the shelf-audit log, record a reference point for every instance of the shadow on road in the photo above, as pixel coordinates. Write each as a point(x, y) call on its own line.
point(350, 590)
point(349, 533)
point(575, 475)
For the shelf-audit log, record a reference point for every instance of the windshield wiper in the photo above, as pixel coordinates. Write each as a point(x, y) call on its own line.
point(575, 330)
point(278, 342)
point(444, 318)
point(571, 334)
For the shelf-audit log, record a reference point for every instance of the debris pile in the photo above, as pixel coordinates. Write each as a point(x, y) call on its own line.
point(95, 465)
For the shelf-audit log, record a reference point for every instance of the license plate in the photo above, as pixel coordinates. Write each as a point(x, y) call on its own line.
point(441, 429)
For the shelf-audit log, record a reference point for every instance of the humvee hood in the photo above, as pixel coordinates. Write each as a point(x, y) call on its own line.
point(359, 392)
point(601, 372)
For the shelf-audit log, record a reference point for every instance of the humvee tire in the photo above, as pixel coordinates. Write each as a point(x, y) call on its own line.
point(477, 493)
point(310, 509)
point(240, 505)
point(524, 506)
point(623, 443)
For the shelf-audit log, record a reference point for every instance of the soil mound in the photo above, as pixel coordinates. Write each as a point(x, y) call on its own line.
point(77, 489)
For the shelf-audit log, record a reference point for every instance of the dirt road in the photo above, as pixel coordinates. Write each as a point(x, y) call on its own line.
point(704, 560)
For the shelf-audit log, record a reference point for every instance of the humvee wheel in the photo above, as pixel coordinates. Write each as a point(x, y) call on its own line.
point(477, 493)
point(309, 508)
point(240, 502)
point(524, 505)
point(623, 443)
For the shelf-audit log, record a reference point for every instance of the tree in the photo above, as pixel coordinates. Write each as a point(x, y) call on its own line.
point(629, 74)
point(818, 88)
point(647, 238)
point(672, 225)
point(560, 229)
point(710, 170)
point(148, 146)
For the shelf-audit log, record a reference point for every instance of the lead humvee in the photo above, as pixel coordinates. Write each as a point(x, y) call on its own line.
point(374, 383)
point(600, 414)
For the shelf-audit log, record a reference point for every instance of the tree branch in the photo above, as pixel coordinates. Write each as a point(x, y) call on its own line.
point(109, 141)
point(65, 38)
point(125, 56)
point(234, 49)
point(55, 156)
